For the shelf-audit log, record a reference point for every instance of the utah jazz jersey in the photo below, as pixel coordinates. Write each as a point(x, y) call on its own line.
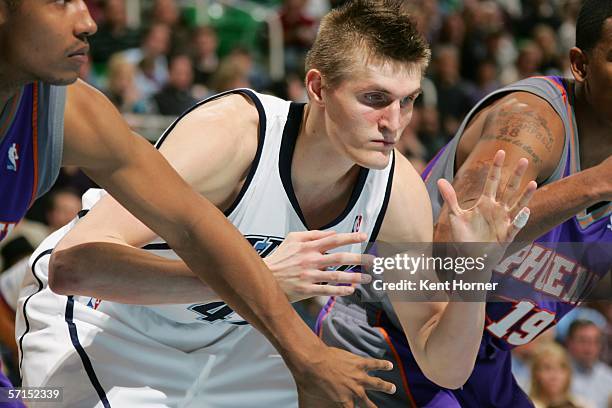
point(541, 282)
point(31, 139)
point(266, 208)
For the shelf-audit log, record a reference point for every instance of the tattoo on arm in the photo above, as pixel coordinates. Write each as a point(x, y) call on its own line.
point(512, 122)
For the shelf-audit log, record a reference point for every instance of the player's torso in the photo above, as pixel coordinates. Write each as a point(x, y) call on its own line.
point(266, 208)
point(17, 164)
point(539, 283)
point(30, 149)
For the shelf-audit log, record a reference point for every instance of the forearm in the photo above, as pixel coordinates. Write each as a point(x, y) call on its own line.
point(550, 206)
point(557, 202)
point(124, 274)
point(453, 342)
point(239, 276)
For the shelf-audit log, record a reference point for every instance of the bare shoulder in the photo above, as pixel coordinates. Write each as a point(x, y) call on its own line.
point(409, 216)
point(214, 145)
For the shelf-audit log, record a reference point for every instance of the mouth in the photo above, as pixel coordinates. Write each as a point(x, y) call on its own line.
point(384, 143)
point(79, 53)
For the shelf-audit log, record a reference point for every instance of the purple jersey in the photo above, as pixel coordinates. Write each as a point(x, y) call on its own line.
point(18, 164)
point(31, 140)
point(555, 272)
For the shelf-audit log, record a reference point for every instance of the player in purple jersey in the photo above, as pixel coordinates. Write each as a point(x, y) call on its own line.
point(565, 127)
point(48, 119)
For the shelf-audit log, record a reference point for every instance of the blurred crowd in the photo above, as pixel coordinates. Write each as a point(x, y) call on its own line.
point(172, 60)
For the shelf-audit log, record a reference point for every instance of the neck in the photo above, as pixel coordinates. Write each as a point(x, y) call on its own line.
point(322, 178)
point(314, 152)
point(9, 84)
point(594, 132)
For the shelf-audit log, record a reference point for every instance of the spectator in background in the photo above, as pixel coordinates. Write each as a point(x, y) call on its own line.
point(113, 33)
point(63, 204)
point(151, 59)
point(592, 378)
point(121, 87)
point(176, 96)
point(205, 58)
point(299, 31)
point(527, 64)
point(233, 73)
point(167, 12)
point(551, 376)
point(522, 358)
point(546, 38)
point(486, 81)
point(452, 91)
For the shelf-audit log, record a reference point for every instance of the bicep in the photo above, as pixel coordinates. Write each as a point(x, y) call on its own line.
point(521, 124)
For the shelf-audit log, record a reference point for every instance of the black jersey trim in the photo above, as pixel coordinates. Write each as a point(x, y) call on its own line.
point(290, 135)
point(74, 338)
point(25, 314)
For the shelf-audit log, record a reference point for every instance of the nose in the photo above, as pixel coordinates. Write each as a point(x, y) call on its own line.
point(85, 26)
point(391, 117)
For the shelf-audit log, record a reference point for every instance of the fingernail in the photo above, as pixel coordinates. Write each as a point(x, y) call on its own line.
point(365, 278)
point(393, 389)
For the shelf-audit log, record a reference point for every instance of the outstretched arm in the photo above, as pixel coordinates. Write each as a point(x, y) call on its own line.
point(525, 125)
point(445, 336)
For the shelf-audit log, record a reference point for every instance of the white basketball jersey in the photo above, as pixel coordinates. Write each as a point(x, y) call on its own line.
point(266, 209)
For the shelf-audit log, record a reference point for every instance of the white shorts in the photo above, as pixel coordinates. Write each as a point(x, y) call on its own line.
point(105, 354)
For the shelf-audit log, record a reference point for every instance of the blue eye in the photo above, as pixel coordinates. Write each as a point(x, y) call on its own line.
point(376, 99)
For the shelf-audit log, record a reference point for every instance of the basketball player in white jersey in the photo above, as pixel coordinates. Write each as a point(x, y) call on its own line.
point(273, 167)
point(48, 118)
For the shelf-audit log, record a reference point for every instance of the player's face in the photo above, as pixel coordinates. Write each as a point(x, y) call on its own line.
point(598, 84)
point(367, 113)
point(47, 40)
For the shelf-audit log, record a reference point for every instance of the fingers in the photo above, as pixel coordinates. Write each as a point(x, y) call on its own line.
point(337, 240)
point(337, 277)
point(492, 182)
point(450, 197)
point(524, 199)
point(305, 236)
point(326, 290)
point(518, 223)
point(372, 364)
point(376, 384)
point(514, 182)
point(343, 258)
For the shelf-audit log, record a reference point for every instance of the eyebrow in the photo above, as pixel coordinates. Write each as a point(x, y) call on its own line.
point(416, 92)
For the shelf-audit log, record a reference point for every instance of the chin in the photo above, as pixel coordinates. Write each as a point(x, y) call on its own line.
point(63, 79)
point(374, 160)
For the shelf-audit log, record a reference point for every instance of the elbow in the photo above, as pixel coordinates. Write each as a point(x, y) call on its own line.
point(62, 275)
point(451, 378)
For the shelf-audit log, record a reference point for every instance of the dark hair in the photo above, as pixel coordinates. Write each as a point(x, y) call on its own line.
point(590, 22)
point(577, 325)
point(383, 29)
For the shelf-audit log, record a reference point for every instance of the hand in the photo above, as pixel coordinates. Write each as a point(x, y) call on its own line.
point(300, 264)
point(336, 378)
point(499, 213)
